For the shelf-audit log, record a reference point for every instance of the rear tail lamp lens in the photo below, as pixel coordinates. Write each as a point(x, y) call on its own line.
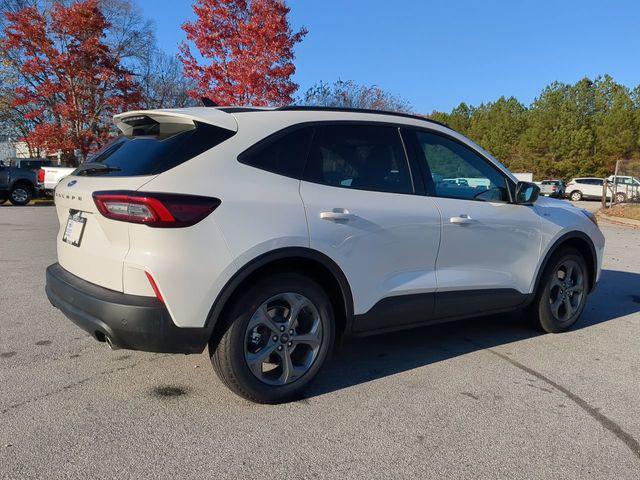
point(161, 210)
point(41, 176)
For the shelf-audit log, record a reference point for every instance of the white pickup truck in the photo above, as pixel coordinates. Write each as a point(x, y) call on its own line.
point(49, 177)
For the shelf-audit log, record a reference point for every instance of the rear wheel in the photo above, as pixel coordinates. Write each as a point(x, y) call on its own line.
point(562, 293)
point(21, 194)
point(277, 336)
point(621, 197)
point(576, 195)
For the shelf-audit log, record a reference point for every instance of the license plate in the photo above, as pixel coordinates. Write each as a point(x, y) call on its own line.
point(74, 230)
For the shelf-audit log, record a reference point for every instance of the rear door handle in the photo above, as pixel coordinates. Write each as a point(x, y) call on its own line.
point(337, 215)
point(462, 219)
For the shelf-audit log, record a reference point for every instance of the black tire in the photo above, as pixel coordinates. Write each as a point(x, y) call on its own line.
point(550, 311)
point(229, 351)
point(21, 194)
point(576, 195)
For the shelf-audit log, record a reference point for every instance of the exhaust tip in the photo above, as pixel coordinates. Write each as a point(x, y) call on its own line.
point(110, 343)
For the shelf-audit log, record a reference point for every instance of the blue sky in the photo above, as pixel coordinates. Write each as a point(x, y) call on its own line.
point(436, 54)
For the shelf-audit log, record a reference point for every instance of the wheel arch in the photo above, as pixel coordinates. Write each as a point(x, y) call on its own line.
point(581, 242)
point(297, 259)
point(23, 181)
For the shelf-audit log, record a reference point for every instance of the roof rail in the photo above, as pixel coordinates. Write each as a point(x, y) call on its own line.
point(303, 108)
point(241, 109)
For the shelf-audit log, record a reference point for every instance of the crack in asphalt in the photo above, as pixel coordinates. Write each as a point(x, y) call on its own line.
point(595, 413)
point(79, 383)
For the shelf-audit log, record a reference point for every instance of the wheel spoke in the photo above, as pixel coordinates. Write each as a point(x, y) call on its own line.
point(296, 304)
point(311, 338)
point(578, 288)
point(568, 307)
point(261, 317)
point(569, 270)
point(255, 360)
point(289, 371)
point(555, 282)
point(555, 306)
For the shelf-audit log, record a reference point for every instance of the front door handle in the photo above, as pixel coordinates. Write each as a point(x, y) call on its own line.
point(462, 219)
point(337, 215)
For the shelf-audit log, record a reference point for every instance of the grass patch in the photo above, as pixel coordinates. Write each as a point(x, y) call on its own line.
point(625, 211)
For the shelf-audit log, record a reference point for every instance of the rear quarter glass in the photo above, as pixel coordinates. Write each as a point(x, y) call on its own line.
point(137, 155)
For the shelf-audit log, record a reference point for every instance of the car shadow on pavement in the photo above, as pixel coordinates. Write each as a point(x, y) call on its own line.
point(366, 359)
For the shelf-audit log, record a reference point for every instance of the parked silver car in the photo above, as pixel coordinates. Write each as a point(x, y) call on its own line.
point(552, 188)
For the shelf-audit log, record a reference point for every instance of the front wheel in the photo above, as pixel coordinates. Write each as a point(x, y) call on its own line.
point(277, 336)
point(576, 196)
point(562, 294)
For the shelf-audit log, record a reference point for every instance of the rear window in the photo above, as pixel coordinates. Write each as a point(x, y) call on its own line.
point(149, 152)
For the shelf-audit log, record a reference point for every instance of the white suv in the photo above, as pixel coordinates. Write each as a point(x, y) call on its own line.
point(268, 233)
point(585, 188)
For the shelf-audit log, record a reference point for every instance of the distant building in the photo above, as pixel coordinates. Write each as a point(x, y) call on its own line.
point(11, 148)
point(22, 150)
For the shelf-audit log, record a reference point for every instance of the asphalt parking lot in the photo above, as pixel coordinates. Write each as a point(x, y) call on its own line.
point(483, 398)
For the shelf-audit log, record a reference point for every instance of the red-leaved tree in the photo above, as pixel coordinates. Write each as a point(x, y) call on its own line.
point(69, 82)
point(248, 48)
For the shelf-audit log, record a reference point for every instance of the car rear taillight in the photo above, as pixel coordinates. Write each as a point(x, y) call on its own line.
point(41, 176)
point(554, 189)
point(164, 210)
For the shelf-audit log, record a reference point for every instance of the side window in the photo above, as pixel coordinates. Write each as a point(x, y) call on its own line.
point(459, 172)
point(363, 157)
point(284, 154)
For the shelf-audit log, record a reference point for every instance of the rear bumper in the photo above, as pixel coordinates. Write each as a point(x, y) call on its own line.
point(129, 321)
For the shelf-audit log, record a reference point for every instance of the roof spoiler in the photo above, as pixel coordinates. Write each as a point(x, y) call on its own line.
point(186, 117)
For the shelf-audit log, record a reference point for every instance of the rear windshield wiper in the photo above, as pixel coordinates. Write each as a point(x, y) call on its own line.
point(96, 169)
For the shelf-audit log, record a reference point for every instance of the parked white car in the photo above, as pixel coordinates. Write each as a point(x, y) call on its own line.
point(627, 188)
point(588, 188)
point(267, 233)
point(49, 177)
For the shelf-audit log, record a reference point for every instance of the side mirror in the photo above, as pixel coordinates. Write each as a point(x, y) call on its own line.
point(526, 193)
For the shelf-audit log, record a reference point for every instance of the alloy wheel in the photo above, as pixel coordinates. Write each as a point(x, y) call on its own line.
point(19, 195)
point(567, 290)
point(283, 338)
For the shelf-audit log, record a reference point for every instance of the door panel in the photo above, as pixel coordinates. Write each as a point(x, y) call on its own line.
point(386, 245)
point(487, 242)
point(498, 248)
